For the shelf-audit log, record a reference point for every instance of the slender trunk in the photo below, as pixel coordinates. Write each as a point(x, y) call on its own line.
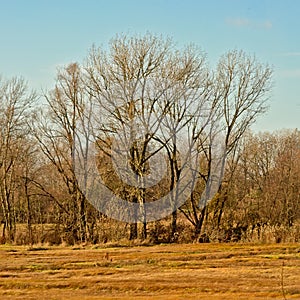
point(29, 216)
point(173, 178)
point(221, 211)
point(10, 224)
point(142, 193)
point(142, 204)
point(174, 226)
point(133, 231)
point(72, 223)
point(4, 209)
point(3, 230)
point(144, 230)
point(200, 222)
point(82, 218)
point(133, 226)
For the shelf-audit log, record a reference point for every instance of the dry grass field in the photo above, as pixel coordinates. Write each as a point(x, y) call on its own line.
point(196, 271)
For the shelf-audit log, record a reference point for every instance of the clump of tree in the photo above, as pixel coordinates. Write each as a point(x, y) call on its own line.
point(261, 195)
point(153, 122)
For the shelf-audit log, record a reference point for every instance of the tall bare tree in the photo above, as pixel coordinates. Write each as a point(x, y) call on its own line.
point(241, 90)
point(148, 94)
point(16, 107)
point(63, 132)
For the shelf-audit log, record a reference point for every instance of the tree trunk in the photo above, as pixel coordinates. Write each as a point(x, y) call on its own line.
point(134, 227)
point(144, 230)
point(199, 223)
point(174, 226)
point(133, 231)
point(29, 216)
point(82, 219)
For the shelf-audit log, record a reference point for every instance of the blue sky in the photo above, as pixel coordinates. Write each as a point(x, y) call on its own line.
point(37, 36)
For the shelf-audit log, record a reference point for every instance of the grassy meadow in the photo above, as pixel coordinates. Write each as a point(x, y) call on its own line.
point(188, 271)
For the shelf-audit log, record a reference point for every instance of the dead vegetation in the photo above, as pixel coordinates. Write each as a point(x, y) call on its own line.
point(188, 271)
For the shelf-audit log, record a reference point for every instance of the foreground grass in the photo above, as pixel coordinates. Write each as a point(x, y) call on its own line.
point(202, 271)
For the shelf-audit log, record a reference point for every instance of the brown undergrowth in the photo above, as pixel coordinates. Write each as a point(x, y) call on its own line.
point(188, 271)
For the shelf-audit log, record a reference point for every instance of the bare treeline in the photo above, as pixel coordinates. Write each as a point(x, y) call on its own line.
point(135, 109)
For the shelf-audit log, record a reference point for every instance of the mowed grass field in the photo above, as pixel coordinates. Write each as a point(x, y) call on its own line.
point(193, 271)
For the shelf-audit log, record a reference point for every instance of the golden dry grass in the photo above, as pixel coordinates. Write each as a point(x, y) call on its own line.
point(196, 271)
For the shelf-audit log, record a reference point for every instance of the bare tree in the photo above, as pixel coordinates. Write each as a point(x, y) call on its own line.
point(16, 106)
point(186, 118)
point(241, 91)
point(126, 84)
point(148, 94)
point(62, 133)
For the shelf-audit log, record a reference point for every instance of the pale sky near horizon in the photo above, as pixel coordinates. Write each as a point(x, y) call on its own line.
point(37, 36)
